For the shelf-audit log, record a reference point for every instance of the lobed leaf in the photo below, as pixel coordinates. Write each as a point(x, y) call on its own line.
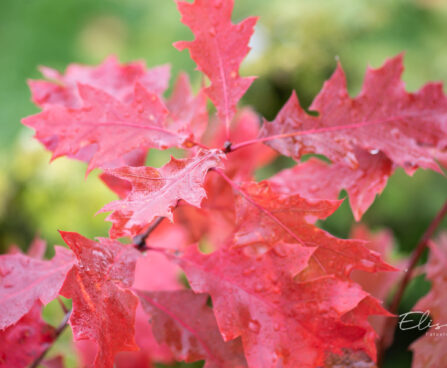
point(155, 192)
point(218, 49)
point(103, 307)
point(25, 280)
point(383, 128)
point(24, 341)
point(259, 300)
point(182, 320)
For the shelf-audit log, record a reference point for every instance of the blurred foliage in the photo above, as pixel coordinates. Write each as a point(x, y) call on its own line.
point(296, 45)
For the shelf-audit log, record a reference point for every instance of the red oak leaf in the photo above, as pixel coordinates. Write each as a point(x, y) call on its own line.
point(182, 320)
point(24, 341)
point(218, 49)
point(215, 219)
point(269, 218)
point(117, 80)
point(36, 249)
point(317, 179)
point(117, 185)
point(155, 192)
point(259, 300)
point(104, 129)
point(429, 350)
point(103, 310)
point(25, 280)
point(154, 272)
point(188, 114)
point(378, 284)
point(407, 127)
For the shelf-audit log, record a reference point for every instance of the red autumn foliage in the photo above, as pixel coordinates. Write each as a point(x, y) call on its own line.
point(283, 292)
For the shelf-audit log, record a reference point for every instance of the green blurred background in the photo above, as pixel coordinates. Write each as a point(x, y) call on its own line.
point(295, 47)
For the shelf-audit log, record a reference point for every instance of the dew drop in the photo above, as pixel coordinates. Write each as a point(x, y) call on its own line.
point(351, 160)
point(374, 151)
point(248, 271)
point(218, 4)
point(367, 263)
point(349, 269)
point(395, 133)
point(254, 326)
point(259, 287)
point(212, 32)
point(4, 273)
point(276, 327)
point(274, 278)
point(313, 188)
point(281, 250)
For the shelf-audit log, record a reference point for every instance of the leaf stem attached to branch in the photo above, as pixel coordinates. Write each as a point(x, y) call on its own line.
point(139, 241)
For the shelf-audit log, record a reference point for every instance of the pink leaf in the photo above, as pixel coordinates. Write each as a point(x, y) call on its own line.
point(218, 49)
point(117, 80)
point(270, 218)
point(24, 341)
point(103, 308)
point(155, 192)
point(25, 280)
point(406, 127)
point(104, 125)
point(188, 114)
point(182, 320)
point(317, 179)
point(258, 299)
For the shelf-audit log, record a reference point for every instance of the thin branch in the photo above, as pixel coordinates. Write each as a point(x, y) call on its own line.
point(140, 240)
point(394, 305)
point(63, 325)
point(62, 305)
point(227, 147)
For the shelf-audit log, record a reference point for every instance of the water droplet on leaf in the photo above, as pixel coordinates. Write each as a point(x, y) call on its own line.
point(212, 32)
point(254, 326)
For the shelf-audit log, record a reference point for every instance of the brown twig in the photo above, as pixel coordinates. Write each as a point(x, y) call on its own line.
point(227, 147)
point(63, 325)
point(391, 323)
point(139, 241)
point(62, 305)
